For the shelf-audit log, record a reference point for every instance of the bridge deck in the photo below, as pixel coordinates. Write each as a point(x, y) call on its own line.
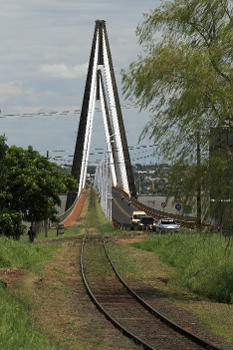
point(121, 208)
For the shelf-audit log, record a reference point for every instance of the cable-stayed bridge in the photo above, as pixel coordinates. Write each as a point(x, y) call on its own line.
point(115, 169)
point(101, 85)
point(114, 178)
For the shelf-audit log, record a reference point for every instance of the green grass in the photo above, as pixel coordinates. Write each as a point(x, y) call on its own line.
point(25, 255)
point(146, 267)
point(16, 330)
point(52, 234)
point(203, 262)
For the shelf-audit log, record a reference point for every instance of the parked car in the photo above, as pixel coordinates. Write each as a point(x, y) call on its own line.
point(147, 223)
point(167, 225)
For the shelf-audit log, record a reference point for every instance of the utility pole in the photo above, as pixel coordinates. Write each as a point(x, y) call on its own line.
point(46, 223)
point(199, 207)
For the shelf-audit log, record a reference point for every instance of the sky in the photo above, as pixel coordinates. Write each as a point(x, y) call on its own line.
point(44, 54)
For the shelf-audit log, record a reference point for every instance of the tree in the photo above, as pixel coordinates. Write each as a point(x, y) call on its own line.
point(10, 220)
point(35, 183)
point(30, 186)
point(185, 79)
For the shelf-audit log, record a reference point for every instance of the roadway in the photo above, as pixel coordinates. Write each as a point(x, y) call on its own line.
point(121, 208)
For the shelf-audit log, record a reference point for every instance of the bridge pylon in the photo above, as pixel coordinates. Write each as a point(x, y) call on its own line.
point(101, 85)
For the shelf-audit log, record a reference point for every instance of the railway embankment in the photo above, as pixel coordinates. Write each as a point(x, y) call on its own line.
point(50, 291)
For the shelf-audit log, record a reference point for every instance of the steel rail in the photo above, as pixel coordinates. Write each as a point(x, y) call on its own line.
point(161, 317)
point(153, 311)
point(117, 324)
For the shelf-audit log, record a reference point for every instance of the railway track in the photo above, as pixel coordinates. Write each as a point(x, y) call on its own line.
point(127, 310)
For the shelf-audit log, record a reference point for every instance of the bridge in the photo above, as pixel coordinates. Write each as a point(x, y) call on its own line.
point(127, 308)
point(114, 179)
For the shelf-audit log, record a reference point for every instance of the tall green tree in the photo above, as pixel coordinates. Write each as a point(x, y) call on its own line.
point(29, 188)
point(184, 77)
point(10, 219)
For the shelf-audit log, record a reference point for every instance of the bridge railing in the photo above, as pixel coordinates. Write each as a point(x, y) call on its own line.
point(188, 222)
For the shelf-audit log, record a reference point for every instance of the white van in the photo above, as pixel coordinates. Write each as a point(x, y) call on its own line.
point(136, 217)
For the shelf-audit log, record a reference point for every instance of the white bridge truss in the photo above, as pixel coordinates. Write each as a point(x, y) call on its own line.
point(101, 85)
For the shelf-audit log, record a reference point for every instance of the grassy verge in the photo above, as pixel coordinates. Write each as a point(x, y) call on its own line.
point(52, 234)
point(203, 263)
point(16, 328)
point(146, 266)
point(36, 304)
point(24, 255)
point(72, 231)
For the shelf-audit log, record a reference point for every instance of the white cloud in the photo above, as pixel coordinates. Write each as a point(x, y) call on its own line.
point(43, 40)
point(63, 71)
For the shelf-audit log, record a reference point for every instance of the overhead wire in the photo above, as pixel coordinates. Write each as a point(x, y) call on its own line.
point(137, 153)
point(52, 113)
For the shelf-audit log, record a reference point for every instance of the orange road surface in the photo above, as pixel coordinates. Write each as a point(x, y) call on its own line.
point(76, 212)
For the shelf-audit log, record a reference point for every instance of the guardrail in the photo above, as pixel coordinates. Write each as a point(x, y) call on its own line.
point(188, 222)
